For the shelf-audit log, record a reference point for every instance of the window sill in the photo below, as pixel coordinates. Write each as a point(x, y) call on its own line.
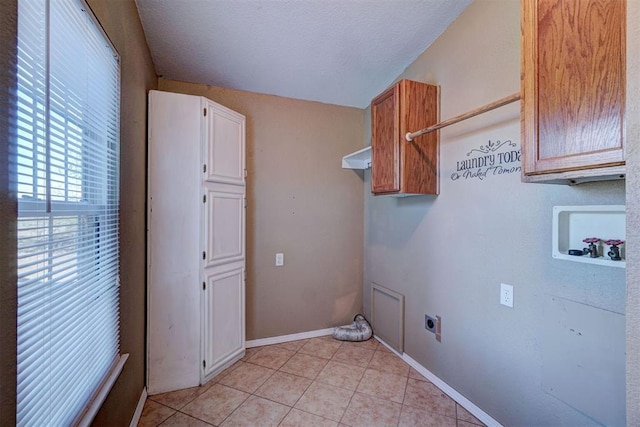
point(95, 404)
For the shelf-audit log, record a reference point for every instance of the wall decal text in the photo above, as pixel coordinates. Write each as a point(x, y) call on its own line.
point(495, 158)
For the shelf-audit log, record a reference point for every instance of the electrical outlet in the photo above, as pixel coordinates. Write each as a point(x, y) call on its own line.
point(430, 323)
point(279, 259)
point(433, 325)
point(506, 295)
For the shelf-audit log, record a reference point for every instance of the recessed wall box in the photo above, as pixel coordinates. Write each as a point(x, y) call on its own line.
point(572, 224)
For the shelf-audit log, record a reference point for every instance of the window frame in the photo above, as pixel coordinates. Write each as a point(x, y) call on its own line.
point(51, 208)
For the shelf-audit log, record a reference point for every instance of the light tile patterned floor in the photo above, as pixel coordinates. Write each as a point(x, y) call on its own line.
point(314, 382)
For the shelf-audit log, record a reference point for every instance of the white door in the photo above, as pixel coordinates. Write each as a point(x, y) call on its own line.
point(223, 239)
point(173, 234)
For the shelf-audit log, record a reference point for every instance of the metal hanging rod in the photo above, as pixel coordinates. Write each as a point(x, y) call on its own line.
point(410, 136)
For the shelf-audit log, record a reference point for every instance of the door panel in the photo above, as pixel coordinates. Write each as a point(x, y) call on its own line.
point(384, 144)
point(223, 317)
point(224, 228)
point(225, 150)
point(173, 233)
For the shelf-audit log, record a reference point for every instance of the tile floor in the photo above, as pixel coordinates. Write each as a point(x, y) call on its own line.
point(313, 382)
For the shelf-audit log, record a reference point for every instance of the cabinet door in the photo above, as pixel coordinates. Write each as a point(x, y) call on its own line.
point(573, 79)
point(385, 149)
point(419, 159)
point(173, 234)
point(223, 240)
point(225, 157)
point(223, 322)
point(223, 302)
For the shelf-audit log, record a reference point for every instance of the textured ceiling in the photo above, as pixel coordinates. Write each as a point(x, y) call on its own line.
point(334, 51)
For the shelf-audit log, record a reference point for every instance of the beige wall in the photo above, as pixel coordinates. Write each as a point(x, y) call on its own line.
point(120, 20)
point(449, 254)
point(302, 203)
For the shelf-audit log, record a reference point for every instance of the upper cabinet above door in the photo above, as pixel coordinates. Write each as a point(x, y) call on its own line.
point(397, 165)
point(573, 90)
point(225, 155)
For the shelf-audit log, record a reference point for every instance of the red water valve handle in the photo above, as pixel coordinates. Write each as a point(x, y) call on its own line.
point(613, 242)
point(591, 240)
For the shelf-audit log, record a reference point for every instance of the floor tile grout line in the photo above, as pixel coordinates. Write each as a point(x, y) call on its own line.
point(232, 412)
point(347, 407)
point(189, 401)
point(305, 390)
point(356, 389)
point(298, 399)
point(404, 396)
point(168, 407)
point(285, 415)
point(291, 408)
point(194, 417)
point(316, 381)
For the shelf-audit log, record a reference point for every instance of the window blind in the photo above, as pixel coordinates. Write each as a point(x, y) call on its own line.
point(68, 189)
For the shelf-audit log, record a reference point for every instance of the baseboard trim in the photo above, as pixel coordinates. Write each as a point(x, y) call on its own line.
point(138, 413)
point(451, 392)
point(286, 338)
point(391, 349)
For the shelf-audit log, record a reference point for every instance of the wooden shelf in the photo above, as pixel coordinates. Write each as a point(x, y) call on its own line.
point(360, 159)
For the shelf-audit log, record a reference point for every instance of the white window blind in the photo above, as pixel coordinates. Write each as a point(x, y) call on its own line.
point(68, 168)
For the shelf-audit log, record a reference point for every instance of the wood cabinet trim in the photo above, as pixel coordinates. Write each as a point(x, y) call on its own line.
point(378, 181)
point(534, 161)
point(528, 73)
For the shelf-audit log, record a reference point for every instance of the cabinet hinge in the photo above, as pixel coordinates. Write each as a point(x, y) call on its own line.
point(245, 173)
point(204, 255)
point(205, 112)
point(204, 198)
point(204, 168)
point(204, 364)
point(204, 286)
point(245, 202)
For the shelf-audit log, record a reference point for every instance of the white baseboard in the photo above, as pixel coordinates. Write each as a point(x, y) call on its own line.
point(446, 388)
point(286, 338)
point(451, 392)
point(391, 349)
point(138, 413)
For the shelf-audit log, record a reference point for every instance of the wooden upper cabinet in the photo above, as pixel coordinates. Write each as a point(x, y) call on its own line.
point(573, 88)
point(398, 166)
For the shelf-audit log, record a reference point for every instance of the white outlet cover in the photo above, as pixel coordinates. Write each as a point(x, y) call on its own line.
point(506, 295)
point(279, 259)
